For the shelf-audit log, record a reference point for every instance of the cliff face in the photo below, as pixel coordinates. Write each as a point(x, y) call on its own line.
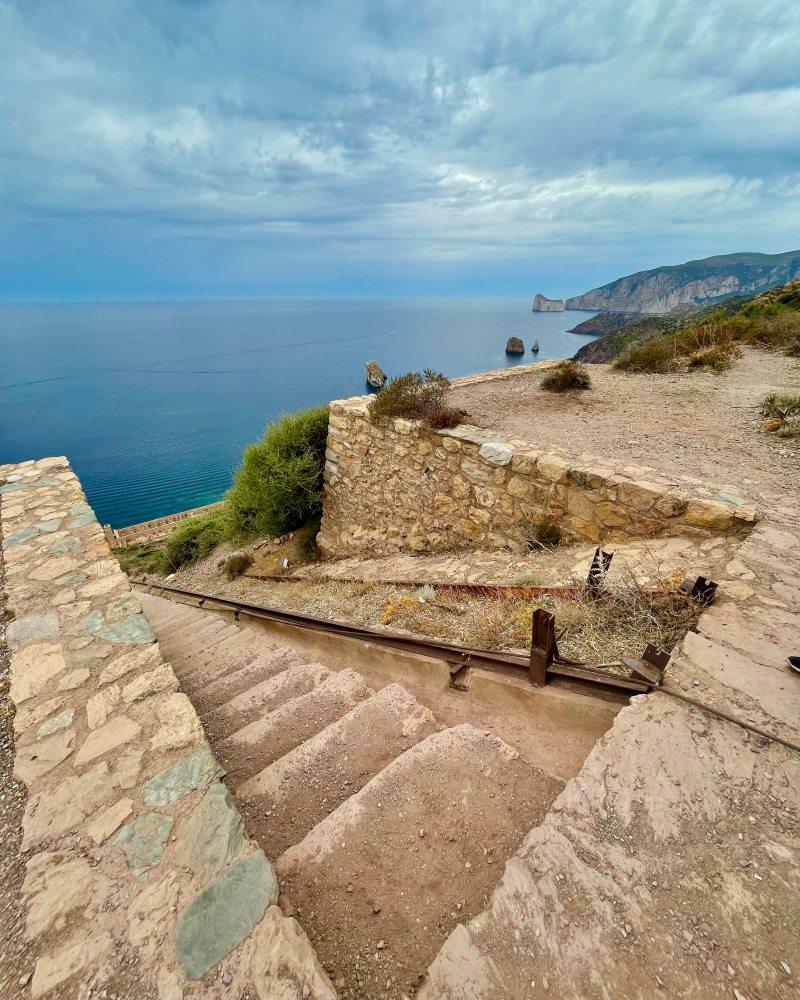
point(541, 304)
point(696, 282)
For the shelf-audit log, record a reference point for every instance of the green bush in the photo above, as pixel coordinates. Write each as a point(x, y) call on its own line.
point(236, 564)
point(566, 376)
point(193, 539)
point(414, 396)
point(141, 559)
point(279, 485)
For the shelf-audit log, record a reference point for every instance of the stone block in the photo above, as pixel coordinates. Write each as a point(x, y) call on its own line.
point(224, 914)
point(709, 514)
point(496, 452)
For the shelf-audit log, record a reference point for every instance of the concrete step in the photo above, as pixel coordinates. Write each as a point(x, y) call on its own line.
point(161, 610)
point(285, 800)
point(197, 638)
point(382, 880)
point(251, 666)
point(200, 671)
point(264, 697)
point(261, 743)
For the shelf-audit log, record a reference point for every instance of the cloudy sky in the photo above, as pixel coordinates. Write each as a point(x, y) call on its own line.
point(223, 148)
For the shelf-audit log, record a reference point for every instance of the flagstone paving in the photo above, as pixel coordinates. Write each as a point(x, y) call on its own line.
point(139, 877)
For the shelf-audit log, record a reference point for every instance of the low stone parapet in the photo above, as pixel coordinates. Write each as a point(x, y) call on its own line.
point(400, 486)
point(140, 876)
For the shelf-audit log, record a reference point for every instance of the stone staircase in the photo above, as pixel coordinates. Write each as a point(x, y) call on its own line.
point(385, 828)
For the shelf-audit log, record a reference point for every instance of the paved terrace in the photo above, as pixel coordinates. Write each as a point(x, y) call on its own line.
point(140, 880)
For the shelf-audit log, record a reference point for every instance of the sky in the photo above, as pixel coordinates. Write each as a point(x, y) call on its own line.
point(159, 149)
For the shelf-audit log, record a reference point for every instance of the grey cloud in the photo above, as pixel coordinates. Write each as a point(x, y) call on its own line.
point(423, 131)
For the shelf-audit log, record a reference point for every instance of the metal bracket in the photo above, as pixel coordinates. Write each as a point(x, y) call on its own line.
point(460, 674)
point(650, 666)
point(543, 646)
point(598, 570)
point(702, 590)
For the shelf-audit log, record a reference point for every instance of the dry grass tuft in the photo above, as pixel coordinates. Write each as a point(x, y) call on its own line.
point(597, 631)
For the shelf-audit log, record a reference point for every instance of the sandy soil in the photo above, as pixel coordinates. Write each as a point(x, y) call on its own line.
point(701, 425)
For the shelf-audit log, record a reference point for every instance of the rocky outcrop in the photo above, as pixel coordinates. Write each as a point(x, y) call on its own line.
point(541, 304)
point(375, 375)
point(535, 347)
point(603, 323)
point(698, 281)
point(515, 346)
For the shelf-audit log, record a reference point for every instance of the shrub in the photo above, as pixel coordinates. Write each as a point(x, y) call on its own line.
point(446, 418)
point(784, 410)
point(718, 359)
point(414, 396)
point(236, 564)
point(566, 376)
point(139, 559)
point(193, 539)
point(279, 484)
point(545, 532)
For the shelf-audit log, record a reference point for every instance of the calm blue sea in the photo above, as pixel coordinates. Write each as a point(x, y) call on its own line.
point(154, 402)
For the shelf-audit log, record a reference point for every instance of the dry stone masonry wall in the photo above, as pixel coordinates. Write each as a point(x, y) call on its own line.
point(400, 486)
point(139, 877)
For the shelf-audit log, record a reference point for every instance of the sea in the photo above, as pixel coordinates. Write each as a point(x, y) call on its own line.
point(154, 402)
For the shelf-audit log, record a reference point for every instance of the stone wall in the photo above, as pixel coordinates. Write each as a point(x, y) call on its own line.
point(140, 879)
point(403, 487)
point(152, 531)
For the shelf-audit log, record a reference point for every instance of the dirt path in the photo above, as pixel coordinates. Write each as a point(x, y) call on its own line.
point(702, 425)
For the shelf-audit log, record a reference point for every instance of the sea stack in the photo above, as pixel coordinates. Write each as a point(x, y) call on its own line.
point(376, 377)
point(541, 304)
point(515, 346)
point(535, 347)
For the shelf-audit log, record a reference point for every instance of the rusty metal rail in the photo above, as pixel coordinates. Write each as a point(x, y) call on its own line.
point(509, 664)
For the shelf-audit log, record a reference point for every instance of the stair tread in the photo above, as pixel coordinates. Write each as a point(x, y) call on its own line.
point(424, 842)
point(285, 800)
point(262, 742)
point(263, 697)
point(201, 670)
point(251, 665)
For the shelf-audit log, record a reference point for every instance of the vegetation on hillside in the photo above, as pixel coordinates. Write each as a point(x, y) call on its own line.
point(770, 320)
point(416, 396)
point(277, 488)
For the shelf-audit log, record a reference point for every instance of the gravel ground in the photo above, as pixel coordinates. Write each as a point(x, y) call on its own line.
point(700, 424)
point(17, 956)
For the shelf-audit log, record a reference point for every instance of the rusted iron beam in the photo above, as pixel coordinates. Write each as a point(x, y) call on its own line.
point(510, 664)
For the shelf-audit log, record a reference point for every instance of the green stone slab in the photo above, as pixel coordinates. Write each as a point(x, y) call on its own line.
point(18, 537)
point(34, 628)
point(213, 836)
point(142, 842)
point(81, 521)
point(134, 628)
point(177, 780)
point(64, 545)
point(224, 914)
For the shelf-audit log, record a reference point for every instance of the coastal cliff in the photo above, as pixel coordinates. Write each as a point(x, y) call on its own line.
point(541, 304)
point(699, 281)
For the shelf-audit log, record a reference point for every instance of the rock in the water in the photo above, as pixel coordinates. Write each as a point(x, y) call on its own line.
point(535, 347)
point(376, 377)
point(541, 304)
point(515, 346)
